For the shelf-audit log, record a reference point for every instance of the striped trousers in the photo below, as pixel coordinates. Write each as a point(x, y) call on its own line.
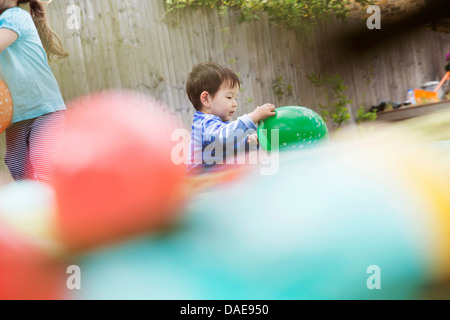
point(31, 147)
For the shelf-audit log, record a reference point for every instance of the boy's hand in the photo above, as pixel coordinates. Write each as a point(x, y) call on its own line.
point(253, 140)
point(262, 113)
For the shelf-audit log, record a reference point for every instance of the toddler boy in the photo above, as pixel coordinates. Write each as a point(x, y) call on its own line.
point(213, 90)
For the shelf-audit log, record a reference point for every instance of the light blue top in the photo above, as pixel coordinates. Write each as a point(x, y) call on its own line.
point(24, 67)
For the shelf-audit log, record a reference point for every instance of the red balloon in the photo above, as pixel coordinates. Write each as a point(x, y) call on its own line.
point(27, 272)
point(6, 107)
point(115, 177)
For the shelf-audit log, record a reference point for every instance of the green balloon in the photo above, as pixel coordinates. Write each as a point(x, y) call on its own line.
point(298, 127)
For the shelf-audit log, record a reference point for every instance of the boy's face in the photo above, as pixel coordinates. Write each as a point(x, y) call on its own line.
point(224, 103)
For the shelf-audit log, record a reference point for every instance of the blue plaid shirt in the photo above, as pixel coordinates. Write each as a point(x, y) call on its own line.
point(216, 142)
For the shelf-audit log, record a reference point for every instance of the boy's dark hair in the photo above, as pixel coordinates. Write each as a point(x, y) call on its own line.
point(209, 77)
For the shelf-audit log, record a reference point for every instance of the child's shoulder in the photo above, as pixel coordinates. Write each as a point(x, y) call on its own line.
point(18, 20)
point(16, 16)
point(205, 119)
point(15, 12)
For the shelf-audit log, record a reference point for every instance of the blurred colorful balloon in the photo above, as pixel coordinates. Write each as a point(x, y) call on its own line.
point(298, 127)
point(6, 107)
point(28, 272)
point(29, 208)
point(333, 223)
point(115, 177)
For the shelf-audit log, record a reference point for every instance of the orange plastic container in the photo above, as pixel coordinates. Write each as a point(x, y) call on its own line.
point(424, 96)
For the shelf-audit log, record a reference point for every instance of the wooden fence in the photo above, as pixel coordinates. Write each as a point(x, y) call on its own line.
point(134, 44)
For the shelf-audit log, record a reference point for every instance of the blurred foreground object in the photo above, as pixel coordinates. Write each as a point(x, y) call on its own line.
point(27, 272)
point(29, 208)
point(115, 177)
point(315, 230)
point(362, 41)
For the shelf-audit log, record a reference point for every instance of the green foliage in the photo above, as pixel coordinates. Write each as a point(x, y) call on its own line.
point(249, 100)
point(363, 116)
point(280, 88)
point(332, 91)
point(297, 15)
